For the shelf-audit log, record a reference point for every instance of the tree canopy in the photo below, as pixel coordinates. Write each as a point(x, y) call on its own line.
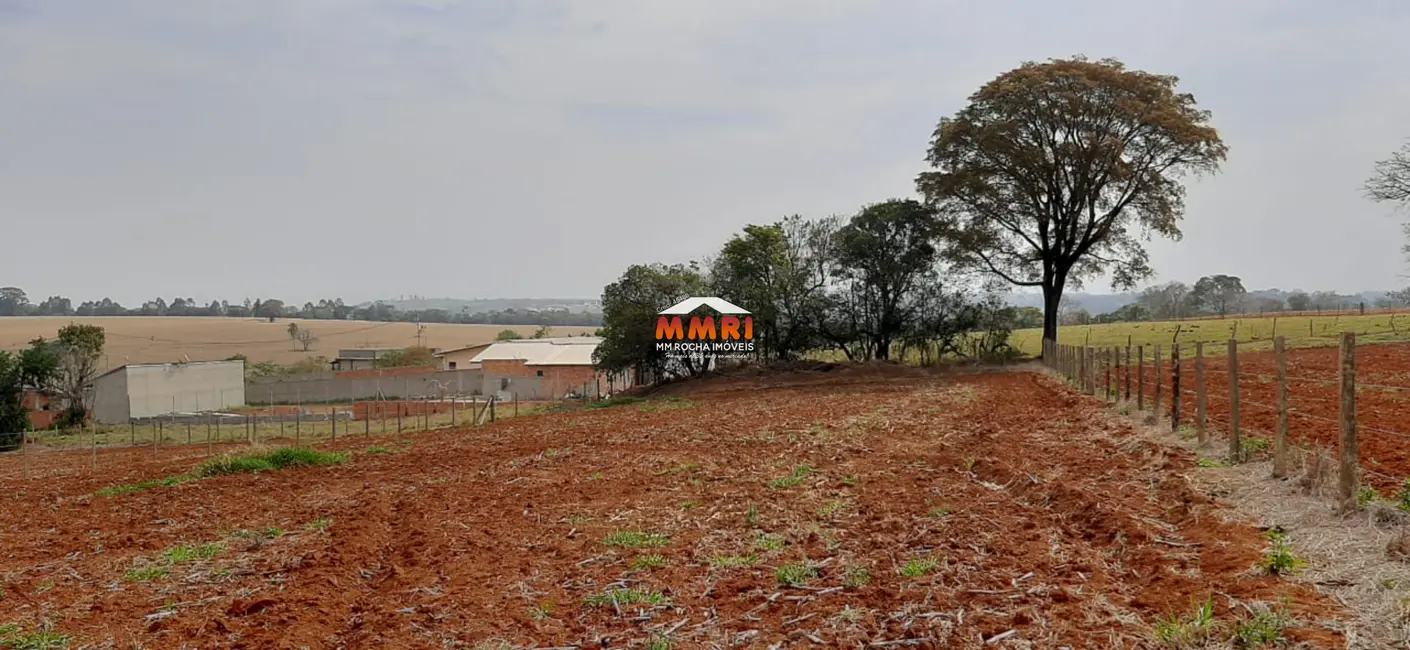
point(1057, 172)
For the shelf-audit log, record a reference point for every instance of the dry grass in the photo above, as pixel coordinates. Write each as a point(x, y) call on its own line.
point(139, 339)
point(1346, 556)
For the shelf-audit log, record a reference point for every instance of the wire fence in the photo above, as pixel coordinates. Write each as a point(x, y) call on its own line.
point(1348, 401)
point(49, 453)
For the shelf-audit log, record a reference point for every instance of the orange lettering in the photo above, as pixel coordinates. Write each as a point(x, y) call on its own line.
point(748, 328)
point(670, 328)
point(729, 327)
point(702, 328)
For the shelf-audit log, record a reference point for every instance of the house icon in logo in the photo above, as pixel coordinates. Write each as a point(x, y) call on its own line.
point(691, 304)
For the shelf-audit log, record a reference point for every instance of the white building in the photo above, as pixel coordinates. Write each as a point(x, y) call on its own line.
point(147, 390)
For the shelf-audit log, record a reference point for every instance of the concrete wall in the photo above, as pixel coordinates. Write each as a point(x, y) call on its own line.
point(324, 388)
point(110, 404)
point(181, 388)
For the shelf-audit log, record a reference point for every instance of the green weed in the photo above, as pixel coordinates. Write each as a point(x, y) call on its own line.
point(856, 577)
point(831, 508)
point(13, 638)
point(768, 543)
point(795, 574)
point(146, 574)
point(734, 561)
point(1211, 462)
point(659, 642)
point(191, 553)
point(919, 567)
point(794, 478)
point(118, 490)
point(751, 517)
point(631, 539)
point(1280, 559)
point(320, 523)
point(940, 512)
point(1264, 629)
point(654, 561)
point(627, 597)
point(285, 458)
point(1366, 495)
point(1403, 497)
point(1187, 633)
point(850, 481)
point(1250, 447)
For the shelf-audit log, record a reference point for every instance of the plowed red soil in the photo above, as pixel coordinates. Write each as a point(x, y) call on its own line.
point(1314, 403)
point(933, 512)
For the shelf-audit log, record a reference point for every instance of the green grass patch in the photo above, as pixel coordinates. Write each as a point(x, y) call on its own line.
point(613, 597)
point(733, 561)
point(827, 510)
point(1191, 632)
point(146, 574)
point(653, 561)
point(768, 543)
point(795, 574)
point(119, 490)
point(191, 553)
point(12, 637)
point(794, 478)
point(633, 539)
point(288, 457)
point(919, 567)
point(377, 451)
point(1211, 462)
point(665, 404)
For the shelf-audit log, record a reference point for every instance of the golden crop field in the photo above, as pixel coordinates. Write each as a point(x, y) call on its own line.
point(1253, 333)
point(163, 339)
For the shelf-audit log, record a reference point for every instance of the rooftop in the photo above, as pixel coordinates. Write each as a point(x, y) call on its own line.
point(570, 351)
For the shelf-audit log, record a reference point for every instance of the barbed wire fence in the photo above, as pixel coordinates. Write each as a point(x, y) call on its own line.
point(1258, 405)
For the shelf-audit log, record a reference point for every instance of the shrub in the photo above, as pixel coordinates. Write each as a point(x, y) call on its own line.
point(277, 459)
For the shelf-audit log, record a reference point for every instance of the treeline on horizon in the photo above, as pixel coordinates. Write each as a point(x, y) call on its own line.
point(15, 302)
point(1218, 296)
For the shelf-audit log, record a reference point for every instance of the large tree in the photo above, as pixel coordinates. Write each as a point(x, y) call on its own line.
point(778, 272)
point(1167, 301)
point(13, 301)
point(629, 311)
point(79, 349)
point(1218, 294)
point(887, 252)
point(1057, 172)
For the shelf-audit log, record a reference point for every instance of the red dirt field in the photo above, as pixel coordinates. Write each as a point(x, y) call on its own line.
point(1314, 405)
point(930, 511)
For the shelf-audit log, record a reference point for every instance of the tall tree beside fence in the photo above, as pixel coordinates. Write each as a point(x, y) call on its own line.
point(1121, 140)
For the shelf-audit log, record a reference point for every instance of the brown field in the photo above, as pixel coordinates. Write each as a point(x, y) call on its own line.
point(861, 507)
point(138, 339)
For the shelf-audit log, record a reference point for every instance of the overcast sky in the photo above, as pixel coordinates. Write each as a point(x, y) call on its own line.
point(514, 148)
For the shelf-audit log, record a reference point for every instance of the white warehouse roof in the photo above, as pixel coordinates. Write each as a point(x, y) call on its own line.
point(571, 351)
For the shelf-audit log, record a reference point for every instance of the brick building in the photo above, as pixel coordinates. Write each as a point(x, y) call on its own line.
point(549, 368)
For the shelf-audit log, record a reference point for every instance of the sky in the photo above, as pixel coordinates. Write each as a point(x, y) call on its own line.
point(366, 149)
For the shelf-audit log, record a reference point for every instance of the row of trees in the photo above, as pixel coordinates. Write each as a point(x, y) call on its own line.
point(1053, 174)
point(1221, 295)
point(62, 369)
point(869, 286)
point(15, 302)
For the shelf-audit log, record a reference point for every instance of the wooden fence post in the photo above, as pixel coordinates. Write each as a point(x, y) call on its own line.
point(1155, 399)
point(1140, 377)
point(1106, 383)
point(1081, 369)
point(1128, 371)
point(1280, 440)
point(1235, 444)
point(1175, 388)
point(1092, 371)
point(1350, 454)
point(1200, 423)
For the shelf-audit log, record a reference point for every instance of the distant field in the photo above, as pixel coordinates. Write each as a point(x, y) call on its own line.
point(1257, 332)
point(137, 339)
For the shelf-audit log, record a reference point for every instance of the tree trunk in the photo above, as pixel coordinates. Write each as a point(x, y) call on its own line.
point(1052, 299)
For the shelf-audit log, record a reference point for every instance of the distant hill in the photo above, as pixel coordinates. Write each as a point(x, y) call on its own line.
point(484, 305)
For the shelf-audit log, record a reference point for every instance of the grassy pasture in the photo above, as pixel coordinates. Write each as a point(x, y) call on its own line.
point(1254, 333)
